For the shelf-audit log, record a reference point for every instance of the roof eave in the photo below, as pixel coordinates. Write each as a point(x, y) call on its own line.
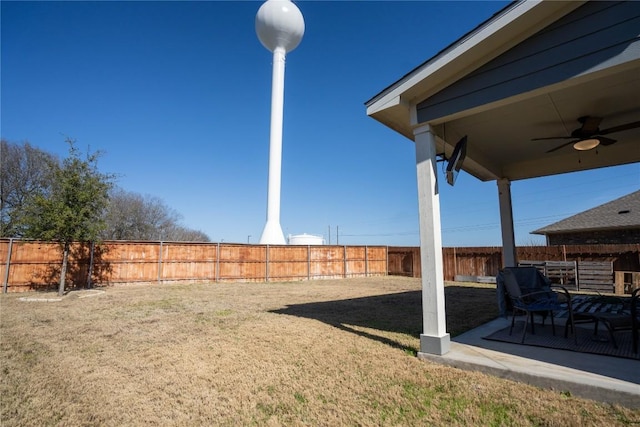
point(515, 23)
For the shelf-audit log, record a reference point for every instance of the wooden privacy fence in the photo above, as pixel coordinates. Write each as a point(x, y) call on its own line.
point(480, 263)
point(26, 265)
point(32, 265)
point(487, 261)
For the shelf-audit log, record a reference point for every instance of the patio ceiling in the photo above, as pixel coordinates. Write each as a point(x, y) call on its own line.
point(454, 92)
point(500, 138)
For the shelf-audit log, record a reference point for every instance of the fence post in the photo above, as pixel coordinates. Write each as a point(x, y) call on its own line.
point(386, 255)
point(217, 277)
point(266, 263)
point(344, 257)
point(160, 263)
point(90, 265)
point(366, 261)
point(455, 264)
point(6, 271)
point(308, 262)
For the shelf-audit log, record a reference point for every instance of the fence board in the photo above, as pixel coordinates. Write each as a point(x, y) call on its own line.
point(355, 261)
point(288, 262)
point(187, 262)
point(243, 263)
point(563, 272)
point(596, 276)
point(404, 261)
point(126, 262)
point(327, 262)
point(377, 260)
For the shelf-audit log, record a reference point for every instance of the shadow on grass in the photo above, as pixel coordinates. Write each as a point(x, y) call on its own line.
point(467, 308)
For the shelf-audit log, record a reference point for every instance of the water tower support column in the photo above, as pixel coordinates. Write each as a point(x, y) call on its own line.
point(272, 233)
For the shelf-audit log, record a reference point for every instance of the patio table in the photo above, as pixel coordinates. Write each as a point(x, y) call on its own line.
point(600, 309)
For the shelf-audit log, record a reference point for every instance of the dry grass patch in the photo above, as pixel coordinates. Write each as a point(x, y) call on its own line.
point(335, 352)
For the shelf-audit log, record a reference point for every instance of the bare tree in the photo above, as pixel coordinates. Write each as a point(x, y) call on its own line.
point(131, 216)
point(24, 172)
point(182, 234)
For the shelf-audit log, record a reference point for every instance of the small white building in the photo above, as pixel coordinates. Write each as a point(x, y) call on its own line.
point(305, 239)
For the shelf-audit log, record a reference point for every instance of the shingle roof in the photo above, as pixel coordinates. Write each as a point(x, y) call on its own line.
point(620, 213)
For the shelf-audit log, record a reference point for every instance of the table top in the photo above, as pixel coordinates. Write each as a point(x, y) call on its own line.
point(583, 304)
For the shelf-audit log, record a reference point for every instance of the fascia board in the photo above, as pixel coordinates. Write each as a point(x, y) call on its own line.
point(485, 44)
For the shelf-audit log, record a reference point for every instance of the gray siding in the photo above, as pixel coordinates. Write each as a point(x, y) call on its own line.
point(595, 36)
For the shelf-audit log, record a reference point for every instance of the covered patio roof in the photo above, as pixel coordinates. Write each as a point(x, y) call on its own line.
point(559, 70)
point(529, 72)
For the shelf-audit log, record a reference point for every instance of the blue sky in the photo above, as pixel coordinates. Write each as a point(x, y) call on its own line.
point(177, 96)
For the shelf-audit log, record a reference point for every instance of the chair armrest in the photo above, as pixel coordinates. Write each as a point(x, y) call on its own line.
point(541, 292)
point(561, 290)
point(546, 295)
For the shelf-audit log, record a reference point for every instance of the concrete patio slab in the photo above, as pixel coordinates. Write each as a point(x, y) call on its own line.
point(602, 378)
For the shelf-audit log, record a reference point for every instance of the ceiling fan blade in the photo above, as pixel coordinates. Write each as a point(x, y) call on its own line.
point(590, 124)
point(561, 146)
point(554, 137)
point(605, 141)
point(620, 128)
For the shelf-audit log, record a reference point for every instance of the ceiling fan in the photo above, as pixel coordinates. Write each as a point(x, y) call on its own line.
point(589, 136)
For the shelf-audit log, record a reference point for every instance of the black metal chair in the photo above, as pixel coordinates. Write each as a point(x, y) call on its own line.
point(530, 293)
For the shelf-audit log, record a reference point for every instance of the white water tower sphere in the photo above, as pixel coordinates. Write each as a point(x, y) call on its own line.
point(279, 23)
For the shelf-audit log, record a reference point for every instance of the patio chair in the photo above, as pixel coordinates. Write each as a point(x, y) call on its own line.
point(628, 320)
point(530, 293)
point(528, 282)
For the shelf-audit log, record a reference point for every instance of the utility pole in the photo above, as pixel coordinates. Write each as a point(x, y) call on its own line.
point(337, 237)
point(329, 235)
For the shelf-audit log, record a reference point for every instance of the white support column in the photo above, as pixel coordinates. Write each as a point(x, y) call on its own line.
point(434, 339)
point(509, 258)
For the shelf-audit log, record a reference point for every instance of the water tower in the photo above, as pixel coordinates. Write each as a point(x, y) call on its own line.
point(280, 27)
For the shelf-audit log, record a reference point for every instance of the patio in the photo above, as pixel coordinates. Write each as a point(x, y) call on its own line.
point(598, 377)
point(585, 340)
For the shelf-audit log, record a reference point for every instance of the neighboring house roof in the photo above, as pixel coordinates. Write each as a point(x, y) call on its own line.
point(620, 213)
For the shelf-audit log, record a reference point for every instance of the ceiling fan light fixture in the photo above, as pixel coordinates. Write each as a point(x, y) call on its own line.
point(586, 144)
